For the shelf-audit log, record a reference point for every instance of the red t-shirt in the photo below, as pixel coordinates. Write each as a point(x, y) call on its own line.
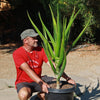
point(34, 60)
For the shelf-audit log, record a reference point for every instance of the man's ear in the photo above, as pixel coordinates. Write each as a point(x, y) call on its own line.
point(25, 40)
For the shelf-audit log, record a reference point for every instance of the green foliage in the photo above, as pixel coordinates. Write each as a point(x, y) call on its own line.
point(55, 46)
point(66, 7)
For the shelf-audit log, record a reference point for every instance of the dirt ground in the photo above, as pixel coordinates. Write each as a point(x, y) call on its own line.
point(77, 60)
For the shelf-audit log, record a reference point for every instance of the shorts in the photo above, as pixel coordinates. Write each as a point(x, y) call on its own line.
point(33, 86)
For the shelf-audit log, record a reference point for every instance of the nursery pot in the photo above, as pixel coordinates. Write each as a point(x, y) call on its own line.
point(60, 94)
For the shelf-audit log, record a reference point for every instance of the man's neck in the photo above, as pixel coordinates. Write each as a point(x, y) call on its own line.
point(28, 48)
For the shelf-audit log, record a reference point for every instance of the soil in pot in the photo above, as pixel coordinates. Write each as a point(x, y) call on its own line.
point(63, 85)
point(64, 93)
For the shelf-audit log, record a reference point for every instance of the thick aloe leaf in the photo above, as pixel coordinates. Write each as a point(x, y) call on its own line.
point(45, 34)
point(54, 24)
point(54, 30)
point(62, 69)
point(49, 46)
point(70, 23)
point(45, 46)
point(47, 31)
point(62, 49)
point(82, 32)
point(59, 35)
point(36, 28)
point(78, 37)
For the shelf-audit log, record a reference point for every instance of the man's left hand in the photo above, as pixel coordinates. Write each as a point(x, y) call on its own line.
point(71, 82)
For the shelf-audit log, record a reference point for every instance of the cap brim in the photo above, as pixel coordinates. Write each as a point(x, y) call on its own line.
point(36, 34)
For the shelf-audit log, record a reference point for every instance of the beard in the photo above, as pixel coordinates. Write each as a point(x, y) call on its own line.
point(35, 44)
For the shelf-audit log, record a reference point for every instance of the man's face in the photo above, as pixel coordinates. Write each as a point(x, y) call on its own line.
point(32, 41)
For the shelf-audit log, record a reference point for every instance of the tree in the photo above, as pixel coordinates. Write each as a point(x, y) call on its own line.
point(66, 7)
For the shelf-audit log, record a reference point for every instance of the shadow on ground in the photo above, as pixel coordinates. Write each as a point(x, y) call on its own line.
point(88, 94)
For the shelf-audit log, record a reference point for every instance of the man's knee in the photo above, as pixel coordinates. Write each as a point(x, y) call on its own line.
point(24, 93)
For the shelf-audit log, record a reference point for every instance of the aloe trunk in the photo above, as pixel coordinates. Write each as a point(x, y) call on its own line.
point(55, 46)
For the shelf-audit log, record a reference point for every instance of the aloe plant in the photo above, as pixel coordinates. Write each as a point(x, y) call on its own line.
point(55, 46)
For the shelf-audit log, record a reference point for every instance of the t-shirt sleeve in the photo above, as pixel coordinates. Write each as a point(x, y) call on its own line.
point(18, 59)
point(44, 56)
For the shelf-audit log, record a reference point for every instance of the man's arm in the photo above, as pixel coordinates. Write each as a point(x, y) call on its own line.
point(68, 79)
point(34, 77)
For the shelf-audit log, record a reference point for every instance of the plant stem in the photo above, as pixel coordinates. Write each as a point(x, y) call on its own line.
point(57, 84)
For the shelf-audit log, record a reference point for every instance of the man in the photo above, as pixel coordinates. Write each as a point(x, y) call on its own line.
point(28, 61)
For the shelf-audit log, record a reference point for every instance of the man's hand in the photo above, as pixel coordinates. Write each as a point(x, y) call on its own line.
point(71, 81)
point(44, 86)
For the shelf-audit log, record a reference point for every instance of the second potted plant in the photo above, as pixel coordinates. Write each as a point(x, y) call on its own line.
point(56, 49)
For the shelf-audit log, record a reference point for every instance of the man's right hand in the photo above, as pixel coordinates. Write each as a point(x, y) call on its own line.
point(44, 86)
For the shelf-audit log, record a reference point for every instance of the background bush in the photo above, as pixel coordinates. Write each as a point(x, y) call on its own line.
point(14, 21)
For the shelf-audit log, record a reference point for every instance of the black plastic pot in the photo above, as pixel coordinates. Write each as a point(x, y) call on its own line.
point(60, 94)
